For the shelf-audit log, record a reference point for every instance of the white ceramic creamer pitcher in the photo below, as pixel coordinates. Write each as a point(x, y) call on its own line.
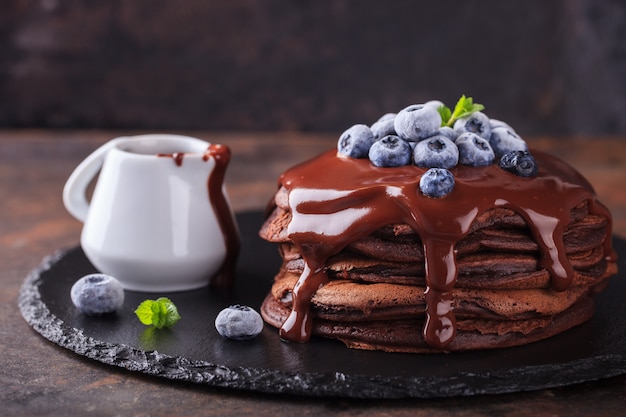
point(159, 219)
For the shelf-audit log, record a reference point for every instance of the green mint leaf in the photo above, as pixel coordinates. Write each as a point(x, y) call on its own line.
point(464, 107)
point(144, 312)
point(466, 103)
point(171, 316)
point(473, 109)
point(158, 313)
point(445, 113)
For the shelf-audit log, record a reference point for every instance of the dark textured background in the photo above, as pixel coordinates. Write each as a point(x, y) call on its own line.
point(547, 67)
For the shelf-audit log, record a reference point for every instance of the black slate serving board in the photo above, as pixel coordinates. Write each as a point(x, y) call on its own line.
point(193, 350)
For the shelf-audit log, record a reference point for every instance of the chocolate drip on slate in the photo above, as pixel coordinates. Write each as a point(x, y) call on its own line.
point(336, 200)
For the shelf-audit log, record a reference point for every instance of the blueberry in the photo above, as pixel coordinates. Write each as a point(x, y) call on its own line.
point(437, 182)
point(434, 103)
point(239, 323)
point(436, 151)
point(447, 132)
point(474, 150)
point(384, 126)
point(417, 122)
point(97, 294)
point(356, 141)
point(477, 123)
point(390, 151)
point(520, 163)
point(504, 140)
point(495, 123)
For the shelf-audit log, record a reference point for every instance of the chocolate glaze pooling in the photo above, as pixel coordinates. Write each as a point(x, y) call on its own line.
point(335, 200)
point(215, 184)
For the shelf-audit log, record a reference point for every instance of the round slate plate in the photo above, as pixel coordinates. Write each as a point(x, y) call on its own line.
point(193, 350)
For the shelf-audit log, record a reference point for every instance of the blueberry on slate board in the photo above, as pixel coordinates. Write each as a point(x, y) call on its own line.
point(239, 322)
point(97, 294)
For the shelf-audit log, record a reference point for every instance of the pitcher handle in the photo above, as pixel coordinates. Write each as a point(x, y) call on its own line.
point(75, 189)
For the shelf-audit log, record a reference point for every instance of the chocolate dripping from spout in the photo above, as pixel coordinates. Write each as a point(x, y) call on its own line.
point(221, 154)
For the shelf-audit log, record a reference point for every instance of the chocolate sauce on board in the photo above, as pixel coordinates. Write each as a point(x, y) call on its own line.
point(225, 276)
point(335, 200)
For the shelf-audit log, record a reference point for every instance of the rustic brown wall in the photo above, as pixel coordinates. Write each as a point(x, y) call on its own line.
point(547, 67)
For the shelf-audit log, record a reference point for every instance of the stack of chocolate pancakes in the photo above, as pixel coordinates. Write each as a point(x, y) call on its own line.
point(369, 260)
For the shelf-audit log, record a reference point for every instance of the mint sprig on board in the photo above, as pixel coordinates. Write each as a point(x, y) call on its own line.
point(464, 107)
point(159, 313)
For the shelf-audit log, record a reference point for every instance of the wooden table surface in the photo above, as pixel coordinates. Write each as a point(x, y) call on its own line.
point(40, 378)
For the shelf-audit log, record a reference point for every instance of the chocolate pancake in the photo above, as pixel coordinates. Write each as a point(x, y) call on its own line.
point(396, 335)
point(368, 260)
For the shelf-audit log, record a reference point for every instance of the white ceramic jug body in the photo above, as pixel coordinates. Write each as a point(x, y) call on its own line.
point(150, 222)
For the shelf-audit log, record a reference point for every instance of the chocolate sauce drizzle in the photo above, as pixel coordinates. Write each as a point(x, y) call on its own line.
point(176, 156)
point(221, 154)
point(336, 200)
point(225, 276)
